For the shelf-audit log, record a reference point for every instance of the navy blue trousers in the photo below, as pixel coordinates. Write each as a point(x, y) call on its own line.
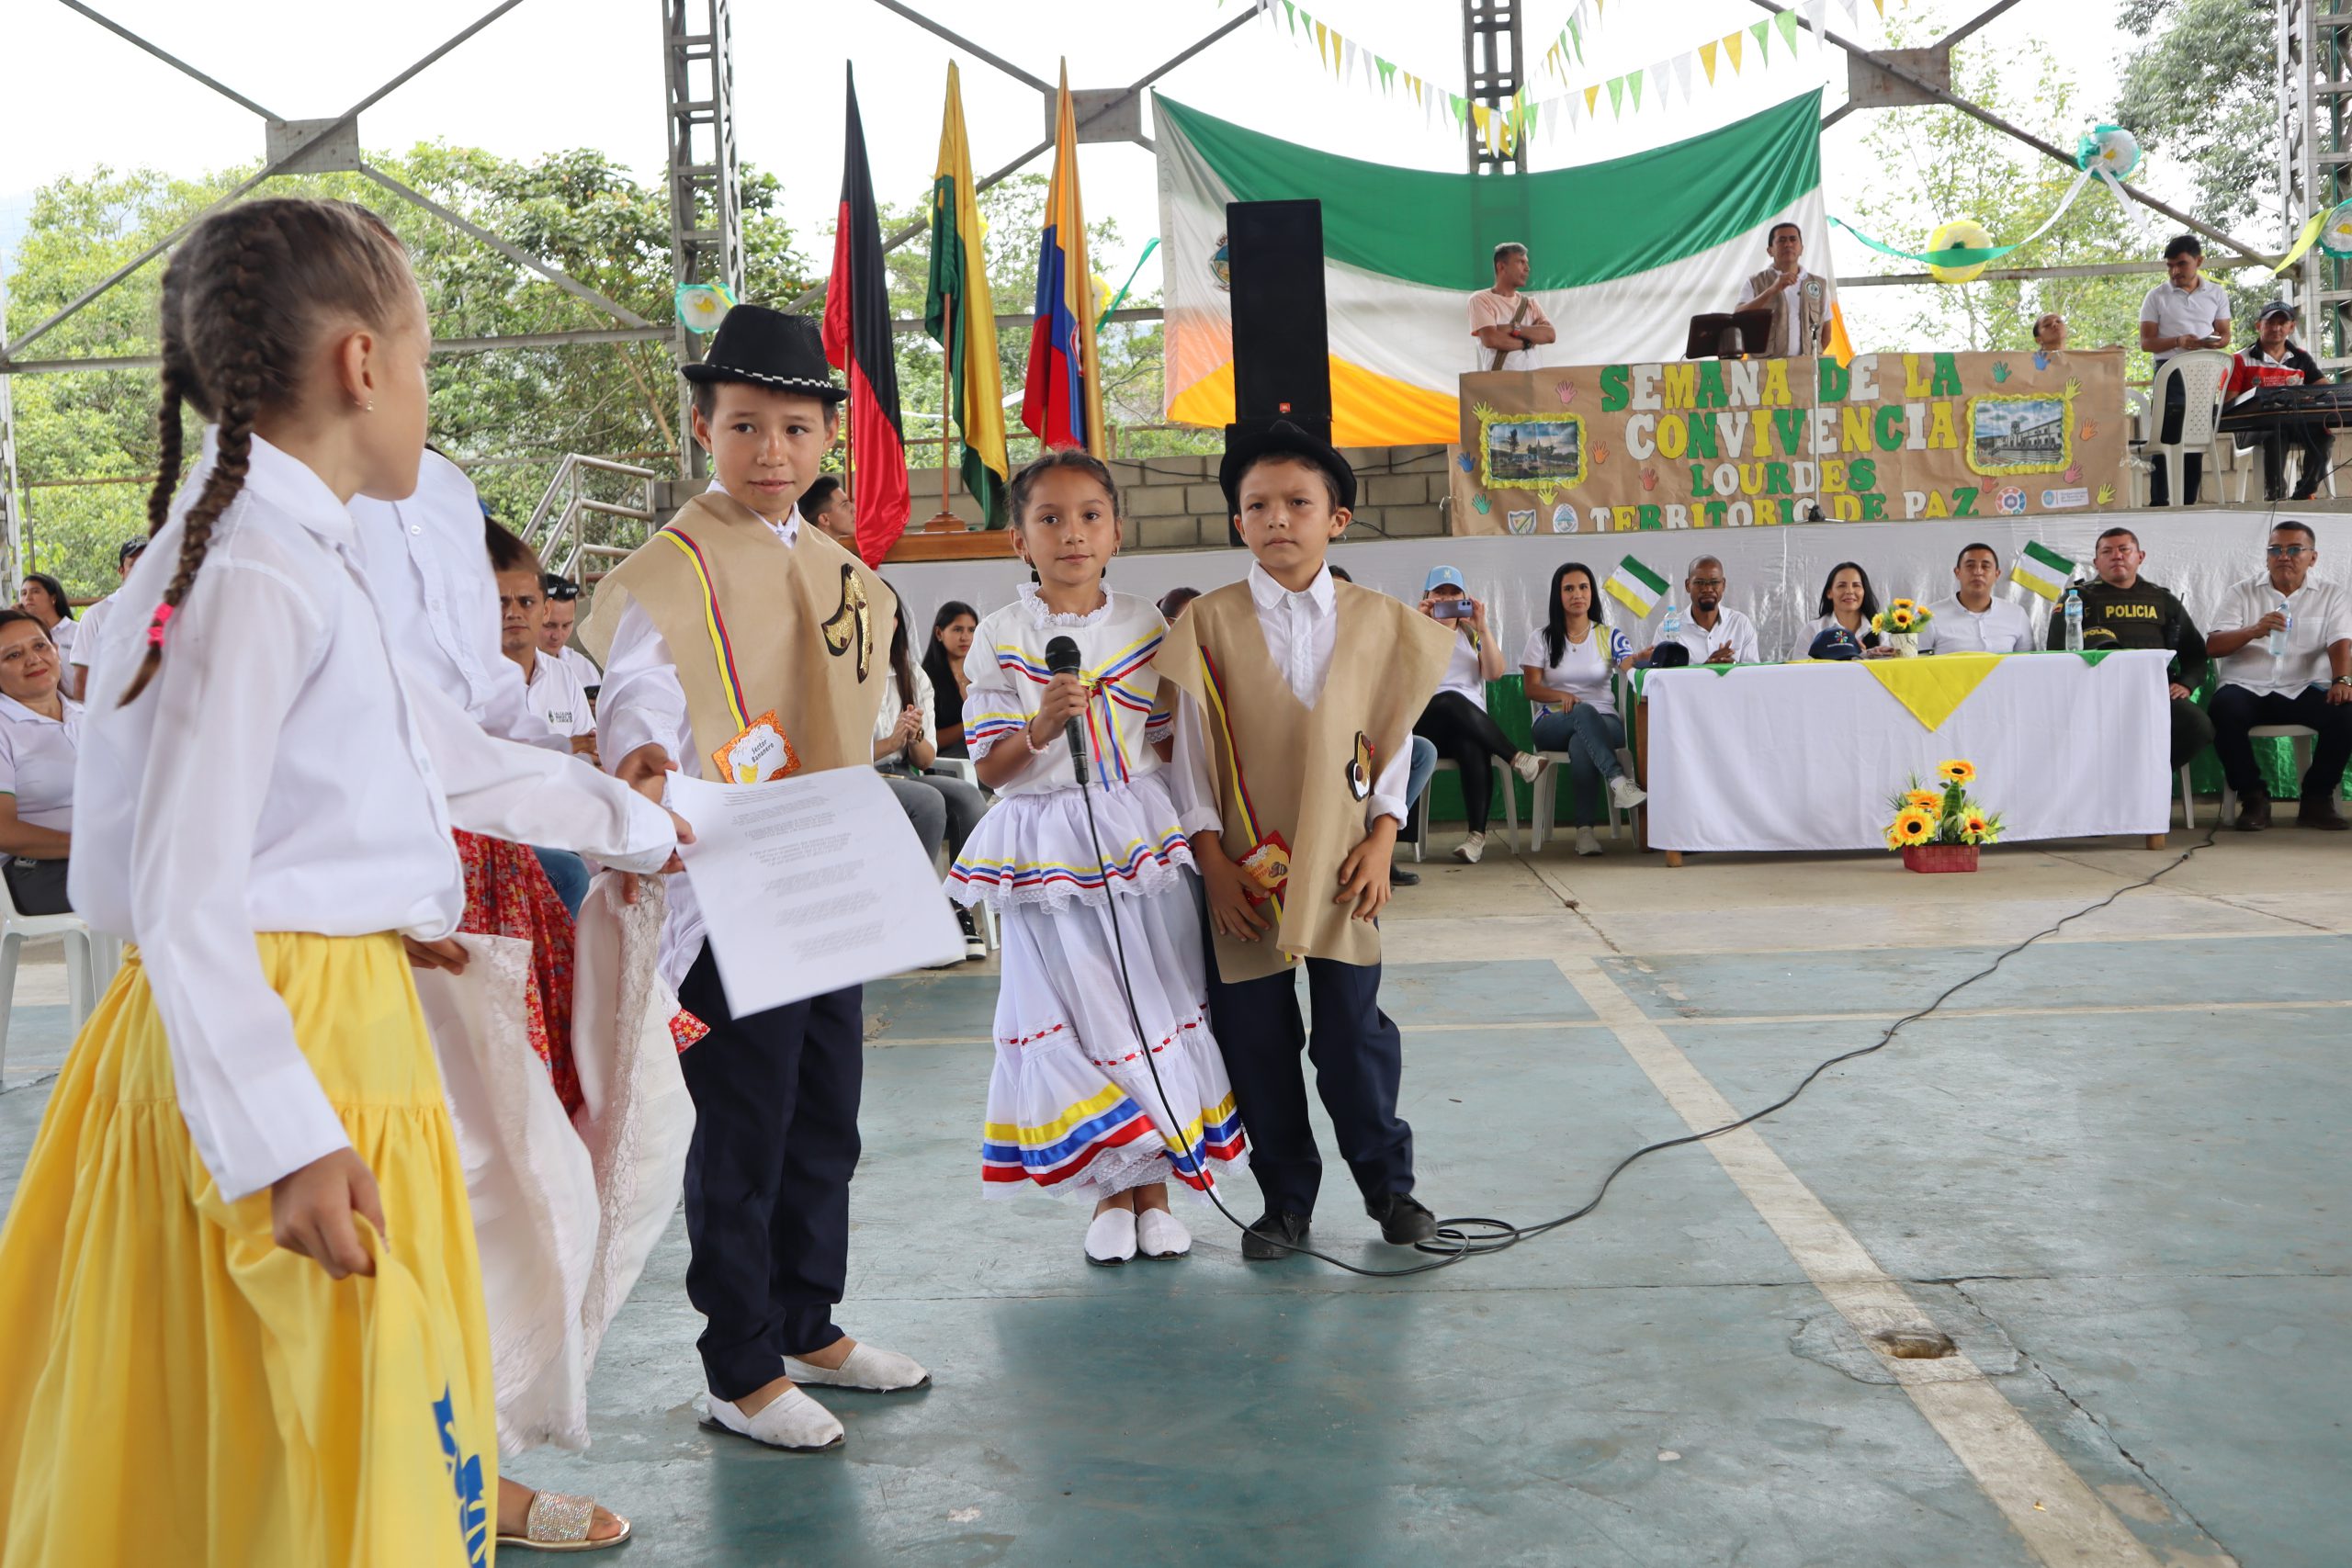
point(767, 1177)
point(1359, 1060)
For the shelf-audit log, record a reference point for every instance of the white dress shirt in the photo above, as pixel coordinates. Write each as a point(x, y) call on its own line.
point(85, 640)
point(283, 772)
point(1731, 626)
point(36, 763)
point(558, 702)
point(886, 718)
point(1465, 672)
point(1586, 670)
point(2322, 614)
point(583, 668)
point(1301, 630)
point(2000, 627)
point(63, 636)
point(641, 703)
point(429, 570)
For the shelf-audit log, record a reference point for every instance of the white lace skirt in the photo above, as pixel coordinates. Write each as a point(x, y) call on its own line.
point(1035, 850)
point(1074, 1108)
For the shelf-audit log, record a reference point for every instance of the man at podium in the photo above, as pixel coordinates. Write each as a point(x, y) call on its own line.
point(1507, 323)
point(1798, 300)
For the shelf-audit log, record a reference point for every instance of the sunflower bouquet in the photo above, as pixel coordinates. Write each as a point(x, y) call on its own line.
point(1943, 813)
point(1903, 617)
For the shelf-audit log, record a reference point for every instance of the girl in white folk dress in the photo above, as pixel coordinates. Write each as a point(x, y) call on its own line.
point(1073, 1108)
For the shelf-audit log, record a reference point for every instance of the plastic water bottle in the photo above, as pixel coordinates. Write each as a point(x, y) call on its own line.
point(2073, 621)
point(2279, 637)
point(1671, 628)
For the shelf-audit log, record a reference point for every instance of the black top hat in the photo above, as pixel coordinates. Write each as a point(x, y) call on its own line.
point(1244, 445)
point(767, 348)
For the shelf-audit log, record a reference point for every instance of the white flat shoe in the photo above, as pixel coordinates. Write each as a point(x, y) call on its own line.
point(1626, 793)
point(793, 1421)
point(874, 1370)
point(1527, 764)
point(1111, 1239)
point(1161, 1234)
point(1586, 843)
point(1468, 850)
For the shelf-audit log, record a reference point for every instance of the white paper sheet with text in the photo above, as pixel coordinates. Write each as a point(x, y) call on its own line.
point(810, 883)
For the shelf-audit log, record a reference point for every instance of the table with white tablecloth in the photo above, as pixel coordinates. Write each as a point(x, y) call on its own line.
point(1805, 756)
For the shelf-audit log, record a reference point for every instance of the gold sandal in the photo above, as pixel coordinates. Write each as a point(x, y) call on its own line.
point(558, 1523)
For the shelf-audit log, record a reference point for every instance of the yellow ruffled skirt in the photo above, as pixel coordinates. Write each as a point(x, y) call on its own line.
point(176, 1388)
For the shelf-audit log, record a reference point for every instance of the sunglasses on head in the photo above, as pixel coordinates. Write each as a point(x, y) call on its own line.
point(563, 592)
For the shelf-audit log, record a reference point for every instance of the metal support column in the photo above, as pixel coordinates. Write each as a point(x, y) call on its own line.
point(705, 182)
point(2313, 150)
point(1493, 64)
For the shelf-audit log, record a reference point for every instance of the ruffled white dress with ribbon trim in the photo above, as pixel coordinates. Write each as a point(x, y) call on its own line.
point(1074, 1106)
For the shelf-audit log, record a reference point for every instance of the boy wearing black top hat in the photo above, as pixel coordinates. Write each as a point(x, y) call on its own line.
point(1293, 742)
point(742, 645)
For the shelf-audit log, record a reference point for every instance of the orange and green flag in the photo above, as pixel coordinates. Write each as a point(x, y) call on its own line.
point(961, 317)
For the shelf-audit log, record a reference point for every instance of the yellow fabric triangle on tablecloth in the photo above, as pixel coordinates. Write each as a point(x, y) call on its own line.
point(1932, 688)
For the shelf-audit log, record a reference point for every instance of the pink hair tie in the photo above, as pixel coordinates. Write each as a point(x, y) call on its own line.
point(155, 627)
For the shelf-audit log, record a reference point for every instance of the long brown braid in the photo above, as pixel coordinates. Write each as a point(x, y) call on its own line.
point(244, 300)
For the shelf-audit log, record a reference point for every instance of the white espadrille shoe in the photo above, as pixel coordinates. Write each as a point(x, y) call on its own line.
point(1160, 1235)
point(1111, 1239)
point(791, 1421)
point(868, 1367)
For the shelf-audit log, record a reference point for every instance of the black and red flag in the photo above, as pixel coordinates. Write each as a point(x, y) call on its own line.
point(857, 343)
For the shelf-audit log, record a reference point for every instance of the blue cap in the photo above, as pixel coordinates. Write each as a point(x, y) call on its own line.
point(1834, 642)
point(1444, 577)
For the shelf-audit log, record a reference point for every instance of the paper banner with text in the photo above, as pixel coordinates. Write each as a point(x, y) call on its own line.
point(1713, 444)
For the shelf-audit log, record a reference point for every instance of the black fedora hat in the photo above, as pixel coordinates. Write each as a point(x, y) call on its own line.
point(767, 348)
point(1244, 445)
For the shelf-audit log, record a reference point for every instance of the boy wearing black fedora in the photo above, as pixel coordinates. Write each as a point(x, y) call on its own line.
point(1294, 732)
point(742, 645)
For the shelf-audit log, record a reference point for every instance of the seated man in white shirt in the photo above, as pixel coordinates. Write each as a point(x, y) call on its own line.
point(85, 652)
point(1714, 633)
point(1975, 619)
point(553, 695)
point(1509, 325)
point(2307, 681)
point(562, 611)
point(2185, 313)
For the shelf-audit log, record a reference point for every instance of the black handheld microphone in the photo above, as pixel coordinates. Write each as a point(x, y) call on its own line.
point(1061, 659)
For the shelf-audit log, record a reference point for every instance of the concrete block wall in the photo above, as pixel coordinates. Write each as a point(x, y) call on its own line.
point(1174, 503)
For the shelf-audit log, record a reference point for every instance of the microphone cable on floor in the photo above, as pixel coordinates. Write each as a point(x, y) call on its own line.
point(1475, 1236)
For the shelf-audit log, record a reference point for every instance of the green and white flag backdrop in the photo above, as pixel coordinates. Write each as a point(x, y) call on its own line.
point(1624, 252)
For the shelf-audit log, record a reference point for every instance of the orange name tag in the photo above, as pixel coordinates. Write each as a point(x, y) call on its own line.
point(1268, 865)
point(759, 752)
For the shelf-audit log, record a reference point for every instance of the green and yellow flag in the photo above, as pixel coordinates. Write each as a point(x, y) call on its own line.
point(961, 317)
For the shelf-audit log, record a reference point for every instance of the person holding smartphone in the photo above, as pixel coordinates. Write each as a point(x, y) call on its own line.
point(2184, 312)
point(1456, 721)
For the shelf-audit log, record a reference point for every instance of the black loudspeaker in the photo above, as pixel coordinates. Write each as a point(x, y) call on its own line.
point(1282, 367)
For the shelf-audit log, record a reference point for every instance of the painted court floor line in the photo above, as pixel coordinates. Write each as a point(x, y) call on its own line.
point(2064, 1522)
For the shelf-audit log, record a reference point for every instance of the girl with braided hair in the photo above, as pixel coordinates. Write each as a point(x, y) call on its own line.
point(241, 1309)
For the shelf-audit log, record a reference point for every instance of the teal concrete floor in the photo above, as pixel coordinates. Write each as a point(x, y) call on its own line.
point(2111, 1173)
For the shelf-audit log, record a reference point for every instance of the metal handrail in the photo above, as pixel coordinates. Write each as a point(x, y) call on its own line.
point(554, 529)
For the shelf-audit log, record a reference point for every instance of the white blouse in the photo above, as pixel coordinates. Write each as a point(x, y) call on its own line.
point(886, 718)
point(1463, 673)
point(281, 775)
point(36, 763)
point(1117, 645)
point(1585, 668)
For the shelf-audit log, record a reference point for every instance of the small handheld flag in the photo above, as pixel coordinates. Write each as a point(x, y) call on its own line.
point(2040, 569)
point(1636, 587)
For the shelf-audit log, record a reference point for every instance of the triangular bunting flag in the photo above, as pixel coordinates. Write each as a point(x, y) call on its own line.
point(1388, 70)
point(1731, 50)
point(1763, 31)
point(1290, 13)
point(1633, 85)
point(1592, 100)
point(1459, 105)
point(1853, 10)
point(1882, 8)
point(1707, 59)
point(1576, 36)
point(1322, 44)
point(1786, 21)
point(1616, 98)
point(1683, 75)
point(1816, 12)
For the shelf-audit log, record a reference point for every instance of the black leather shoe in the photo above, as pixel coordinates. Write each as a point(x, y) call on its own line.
point(1400, 877)
point(2254, 813)
point(2320, 814)
point(1273, 1236)
point(1402, 1221)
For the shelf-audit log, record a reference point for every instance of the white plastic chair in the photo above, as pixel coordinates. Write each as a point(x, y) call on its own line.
point(2302, 737)
point(84, 954)
point(2201, 373)
point(1547, 790)
point(969, 771)
point(2248, 462)
point(1421, 806)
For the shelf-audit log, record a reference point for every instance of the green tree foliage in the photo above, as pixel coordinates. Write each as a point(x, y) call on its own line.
point(2197, 91)
point(1943, 164)
point(514, 412)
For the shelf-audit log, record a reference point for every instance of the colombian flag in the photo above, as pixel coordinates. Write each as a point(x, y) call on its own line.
point(1062, 402)
point(857, 342)
point(961, 317)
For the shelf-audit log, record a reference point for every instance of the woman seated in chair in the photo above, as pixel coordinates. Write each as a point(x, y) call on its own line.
point(1848, 602)
point(1567, 665)
point(41, 730)
point(1456, 721)
point(906, 743)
